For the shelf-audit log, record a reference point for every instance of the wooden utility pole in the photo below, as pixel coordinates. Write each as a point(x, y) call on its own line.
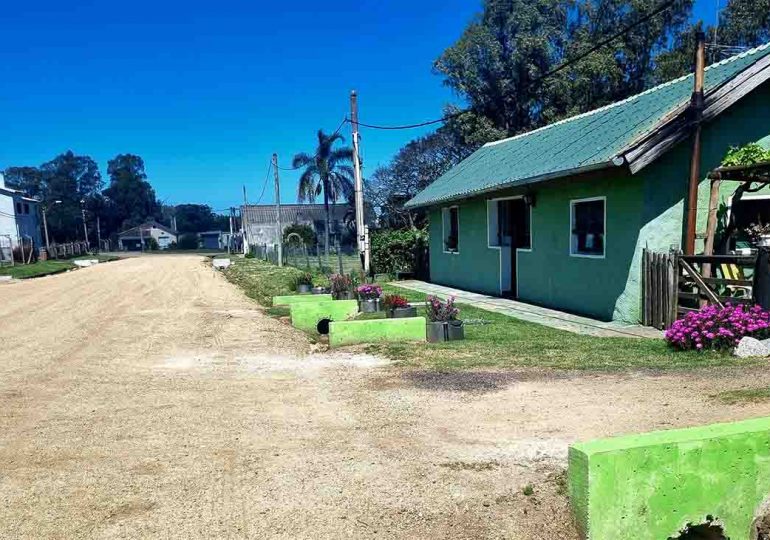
point(230, 238)
point(359, 184)
point(85, 226)
point(696, 110)
point(279, 231)
point(98, 235)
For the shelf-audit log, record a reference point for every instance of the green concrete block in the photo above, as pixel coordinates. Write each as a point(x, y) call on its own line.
point(300, 299)
point(306, 316)
point(374, 330)
point(650, 486)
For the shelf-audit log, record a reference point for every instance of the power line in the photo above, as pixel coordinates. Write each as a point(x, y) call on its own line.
point(657, 11)
point(264, 185)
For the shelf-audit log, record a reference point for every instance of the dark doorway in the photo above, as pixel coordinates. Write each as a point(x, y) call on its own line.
point(704, 531)
point(514, 232)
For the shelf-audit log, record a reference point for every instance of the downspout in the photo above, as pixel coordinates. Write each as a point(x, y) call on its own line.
point(696, 108)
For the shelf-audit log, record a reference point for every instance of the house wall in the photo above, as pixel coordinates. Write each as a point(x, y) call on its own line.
point(642, 210)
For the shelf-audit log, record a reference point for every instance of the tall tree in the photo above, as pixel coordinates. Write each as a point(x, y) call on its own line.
point(195, 218)
point(744, 23)
point(130, 196)
point(328, 171)
point(26, 179)
point(76, 182)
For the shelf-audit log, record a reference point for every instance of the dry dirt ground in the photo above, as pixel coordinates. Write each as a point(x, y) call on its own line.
point(148, 398)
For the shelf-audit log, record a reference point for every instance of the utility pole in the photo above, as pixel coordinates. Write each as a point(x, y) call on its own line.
point(359, 185)
point(245, 200)
point(278, 210)
point(230, 238)
point(696, 110)
point(85, 226)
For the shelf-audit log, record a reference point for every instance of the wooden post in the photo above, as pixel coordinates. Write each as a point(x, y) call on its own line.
point(696, 107)
point(711, 225)
point(279, 235)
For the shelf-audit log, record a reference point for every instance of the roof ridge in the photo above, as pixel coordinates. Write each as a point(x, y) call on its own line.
point(630, 98)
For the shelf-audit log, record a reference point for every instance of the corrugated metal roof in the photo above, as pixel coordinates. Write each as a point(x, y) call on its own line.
point(588, 141)
point(293, 213)
point(134, 231)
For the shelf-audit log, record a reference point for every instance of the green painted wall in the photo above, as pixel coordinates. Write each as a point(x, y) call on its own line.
point(475, 267)
point(371, 331)
point(643, 210)
point(650, 486)
point(307, 316)
point(300, 299)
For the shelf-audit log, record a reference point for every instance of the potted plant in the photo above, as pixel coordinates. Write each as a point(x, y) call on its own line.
point(304, 282)
point(369, 298)
point(443, 324)
point(397, 307)
point(342, 287)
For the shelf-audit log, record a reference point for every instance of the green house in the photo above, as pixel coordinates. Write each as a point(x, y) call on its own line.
point(559, 216)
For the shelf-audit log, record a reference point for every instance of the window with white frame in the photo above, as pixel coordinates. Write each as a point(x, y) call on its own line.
point(450, 218)
point(509, 223)
point(587, 222)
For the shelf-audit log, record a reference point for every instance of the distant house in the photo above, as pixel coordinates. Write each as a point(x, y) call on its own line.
point(260, 227)
point(212, 240)
point(19, 219)
point(559, 216)
point(137, 238)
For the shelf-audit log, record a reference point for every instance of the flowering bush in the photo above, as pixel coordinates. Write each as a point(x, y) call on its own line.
point(439, 311)
point(718, 328)
point(340, 283)
point(394, 301)
point(369, 292)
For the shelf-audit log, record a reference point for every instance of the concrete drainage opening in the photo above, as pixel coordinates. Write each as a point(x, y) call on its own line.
point(323, 326)
point(704, 531)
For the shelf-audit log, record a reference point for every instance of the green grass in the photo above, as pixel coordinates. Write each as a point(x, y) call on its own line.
point(749, 395)
point(505, 342)
point(263, 280)
point(40, 268)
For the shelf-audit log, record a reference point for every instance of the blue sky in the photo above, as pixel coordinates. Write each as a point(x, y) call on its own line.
point(205, 92)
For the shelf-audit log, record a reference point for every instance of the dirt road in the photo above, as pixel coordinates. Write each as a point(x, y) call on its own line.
point(148, 398)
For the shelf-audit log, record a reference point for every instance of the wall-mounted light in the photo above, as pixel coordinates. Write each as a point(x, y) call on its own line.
point(529, 199)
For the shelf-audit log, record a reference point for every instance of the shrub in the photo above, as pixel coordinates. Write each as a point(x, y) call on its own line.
point(340, 284)
point(188, 241)
point(250, 255)
point(394, 301)
point(305, 278)
point(304, 231)
point(714, 328)
point(369, 292)
point(438, 311)
point(394, 251)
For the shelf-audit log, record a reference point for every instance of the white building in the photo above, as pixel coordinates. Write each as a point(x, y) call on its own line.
point(138, 238)
point(19, 220)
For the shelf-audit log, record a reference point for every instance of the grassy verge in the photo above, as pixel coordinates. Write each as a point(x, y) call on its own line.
point(493, 340)
point(749, 395)
point(40, 268)
point(262, 280)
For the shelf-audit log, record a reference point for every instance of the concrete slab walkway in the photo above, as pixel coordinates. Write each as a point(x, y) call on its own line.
point(536, 314)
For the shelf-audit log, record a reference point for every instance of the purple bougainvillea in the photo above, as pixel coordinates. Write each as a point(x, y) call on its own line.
point(718, 328)
point(438, 311)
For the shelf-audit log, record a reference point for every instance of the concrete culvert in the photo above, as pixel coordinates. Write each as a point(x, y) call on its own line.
point(323, 326)
point(704, 531)
point(761, 528)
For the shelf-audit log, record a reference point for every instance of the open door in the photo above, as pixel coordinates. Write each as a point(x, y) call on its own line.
point(514, 234)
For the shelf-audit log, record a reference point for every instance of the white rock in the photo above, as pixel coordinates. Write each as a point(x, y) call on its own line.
point(221, 263)
point(749, 347)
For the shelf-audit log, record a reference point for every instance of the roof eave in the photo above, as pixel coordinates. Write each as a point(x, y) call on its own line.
point(615, 162)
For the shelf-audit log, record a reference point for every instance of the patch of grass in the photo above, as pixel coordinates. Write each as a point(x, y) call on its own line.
point(528, 490)
point(747, 395)
point(263, 280)
point(506, 342)
point(279, 311)
point(40, 268)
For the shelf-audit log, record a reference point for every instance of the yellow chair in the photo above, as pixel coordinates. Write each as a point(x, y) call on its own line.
point(735, 272)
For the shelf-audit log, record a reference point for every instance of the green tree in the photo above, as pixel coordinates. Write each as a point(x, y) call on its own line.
point(26, 179)
point(130, 196)
point(197, 218)
point(76, 182)
point(744, 23)
point(327, 171)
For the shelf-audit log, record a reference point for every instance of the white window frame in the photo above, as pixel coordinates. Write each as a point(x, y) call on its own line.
point(572, 204)
point(446, 213)
point(531, 232)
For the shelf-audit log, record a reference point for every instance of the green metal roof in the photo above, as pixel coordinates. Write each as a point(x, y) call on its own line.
point(592, 140)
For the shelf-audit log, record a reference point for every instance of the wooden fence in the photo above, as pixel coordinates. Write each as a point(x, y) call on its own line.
point(674, 284)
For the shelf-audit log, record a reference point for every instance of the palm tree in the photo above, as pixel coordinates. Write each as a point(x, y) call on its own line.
point(328, 171)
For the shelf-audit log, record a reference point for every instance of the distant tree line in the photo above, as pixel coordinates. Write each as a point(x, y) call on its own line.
point(499, 64)
point(69, 184)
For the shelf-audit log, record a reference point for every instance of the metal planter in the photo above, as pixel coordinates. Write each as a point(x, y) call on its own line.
point(303, 288)
point(370, 305)
point(346, 295)
point(455, 330)
point(402, 313)
point(436, 332)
